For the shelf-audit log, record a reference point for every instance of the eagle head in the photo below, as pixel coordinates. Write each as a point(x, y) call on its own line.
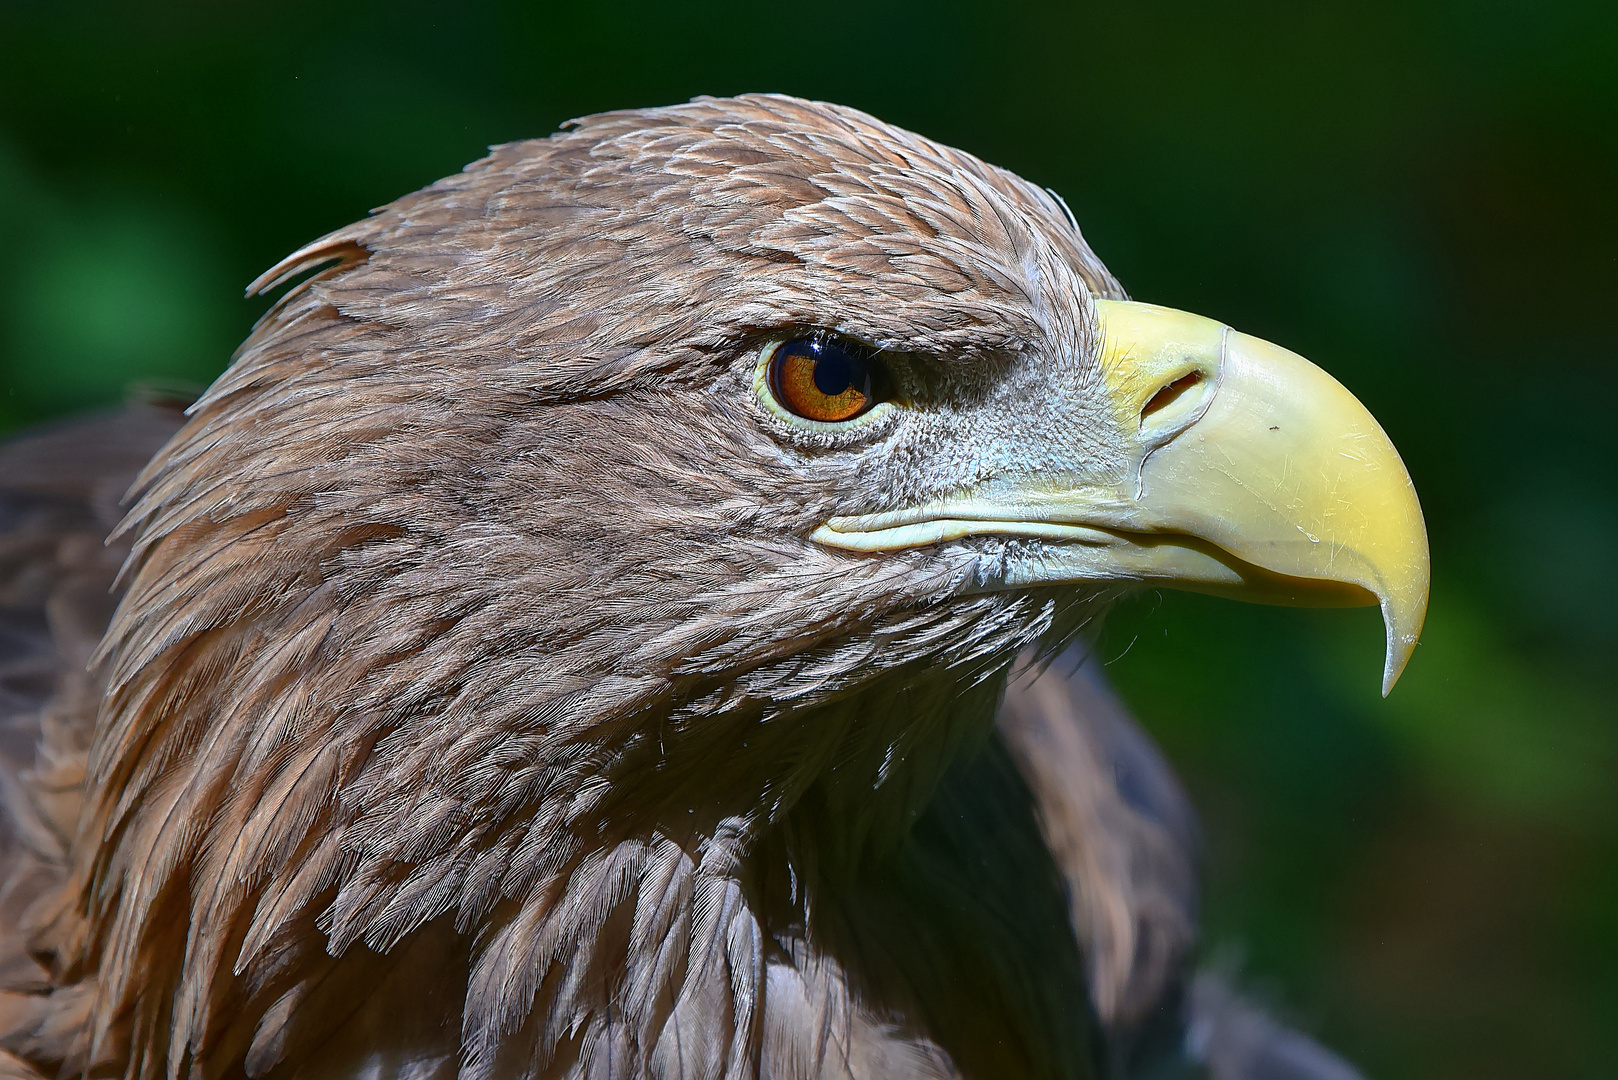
point(597, 556)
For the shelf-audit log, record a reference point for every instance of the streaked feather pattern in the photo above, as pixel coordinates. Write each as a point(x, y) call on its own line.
point(473, 705)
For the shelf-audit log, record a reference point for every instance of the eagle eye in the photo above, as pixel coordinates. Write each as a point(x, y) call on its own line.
point(823, 379)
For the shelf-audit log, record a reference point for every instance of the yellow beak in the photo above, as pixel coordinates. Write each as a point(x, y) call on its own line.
point(1282, 468)
point(1252, 473)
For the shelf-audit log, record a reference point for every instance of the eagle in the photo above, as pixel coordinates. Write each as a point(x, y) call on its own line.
point(608, 621)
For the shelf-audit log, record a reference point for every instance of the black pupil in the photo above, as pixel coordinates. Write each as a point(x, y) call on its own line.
point(836, 369)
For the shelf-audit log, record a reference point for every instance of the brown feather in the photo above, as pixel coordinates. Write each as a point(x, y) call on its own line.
point(475, 705)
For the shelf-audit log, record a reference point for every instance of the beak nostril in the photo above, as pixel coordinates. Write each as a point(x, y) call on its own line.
point(1169, 394)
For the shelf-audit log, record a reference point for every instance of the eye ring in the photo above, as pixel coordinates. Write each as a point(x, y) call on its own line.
point(823, 379)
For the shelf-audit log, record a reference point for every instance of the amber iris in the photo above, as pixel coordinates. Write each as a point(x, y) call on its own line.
point(822, 379)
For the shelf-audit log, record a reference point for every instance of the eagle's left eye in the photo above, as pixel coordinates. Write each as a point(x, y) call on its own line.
point(823, 379)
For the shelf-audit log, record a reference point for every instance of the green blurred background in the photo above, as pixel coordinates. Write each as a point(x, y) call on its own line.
point(1423, 198)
